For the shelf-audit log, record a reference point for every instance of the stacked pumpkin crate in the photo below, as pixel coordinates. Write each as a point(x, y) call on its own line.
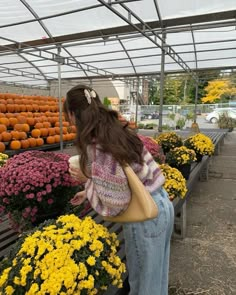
point(31, 122)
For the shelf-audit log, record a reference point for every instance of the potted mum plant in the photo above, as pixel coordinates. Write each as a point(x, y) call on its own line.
point(201, 144)
point(3, 159)
point(154, 148)
point(35, 185)
point(168, 141)
point(63, 256)
point(181, 158)
point(175, 183)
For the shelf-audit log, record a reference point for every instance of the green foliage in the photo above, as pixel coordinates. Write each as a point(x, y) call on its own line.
point(167, 127)
point(180, 123)
point(171, 116)
point(150, 126)
point(190, 116)
point(141, 126)
point(106, 102)
point(225, 122)
point(180, 89)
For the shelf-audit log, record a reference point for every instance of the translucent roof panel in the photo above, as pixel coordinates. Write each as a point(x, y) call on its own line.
point(111, 64)
point(21, 33)
point(183, 8)
point(215, 34)
point(12, 10)
point(48, 7)
point(95, 41)
point(81, 50)
point(216, 45)
point(217, 54)
point(143, 52)
point(217, 64)
point(147, 60)
point(83, 21)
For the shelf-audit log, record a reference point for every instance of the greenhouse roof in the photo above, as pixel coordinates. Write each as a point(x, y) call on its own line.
point(108, 38)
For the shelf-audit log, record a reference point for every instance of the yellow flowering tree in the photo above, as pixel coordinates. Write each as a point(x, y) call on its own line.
point(66, 256)
point(175, 183)
point(217, 90)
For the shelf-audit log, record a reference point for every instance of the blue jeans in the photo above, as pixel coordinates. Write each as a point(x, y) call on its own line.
point(147, 246)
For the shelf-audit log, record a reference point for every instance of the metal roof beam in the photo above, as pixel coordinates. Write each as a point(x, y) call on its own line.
point(17, 72)
point(155, 74)
point(64, 60)
point(167, 23)
point(128, 56)
point(114, 2)
point(169, 51)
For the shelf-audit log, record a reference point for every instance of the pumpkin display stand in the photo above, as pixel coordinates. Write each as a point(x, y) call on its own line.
point(31, 123)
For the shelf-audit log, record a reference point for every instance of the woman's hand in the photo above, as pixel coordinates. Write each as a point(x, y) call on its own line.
point(77, 174)
point(78, 199)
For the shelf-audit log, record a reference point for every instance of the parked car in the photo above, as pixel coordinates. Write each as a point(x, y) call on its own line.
point(213, 117)
point(128, 116)
point(150, 116)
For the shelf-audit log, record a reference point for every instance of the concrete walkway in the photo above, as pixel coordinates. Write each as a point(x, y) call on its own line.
point(205, 261)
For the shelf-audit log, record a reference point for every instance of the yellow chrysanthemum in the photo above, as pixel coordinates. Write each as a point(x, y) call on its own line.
point(62, 256)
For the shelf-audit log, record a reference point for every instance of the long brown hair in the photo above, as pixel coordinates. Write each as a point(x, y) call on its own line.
point(96, 122)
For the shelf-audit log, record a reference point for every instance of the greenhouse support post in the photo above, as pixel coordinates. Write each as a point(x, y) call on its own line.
point(59, 96)
point(196, 100)
point(136, 101)
point(162, 80)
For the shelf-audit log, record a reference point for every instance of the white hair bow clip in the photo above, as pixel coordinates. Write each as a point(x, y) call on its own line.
point(89, 95)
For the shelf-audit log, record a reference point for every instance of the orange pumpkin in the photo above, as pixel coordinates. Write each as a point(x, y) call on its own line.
point(57, 138)
point(44, 132)
point(50, 139)
point(15, 134)
point(51, 131)
point(25, 144)
point(64, 130)
point(36, 133)
point(38, 125)
point(30, 121)
point(3, 108)
point(13, 121)
point(19, 127)
point(39, 141)
point(3, 128)
point(26, 127)
point(2, 147)
point(57, 130)
point(46, 124)
point(4, 121)
point(6, 136)
point(21, 119)
point(10, 115)
point(32, 142)
point(10, 108)
point(15, 145)
point(23, 135)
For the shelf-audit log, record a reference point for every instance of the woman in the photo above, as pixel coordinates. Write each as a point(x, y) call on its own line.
point(105, 145)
